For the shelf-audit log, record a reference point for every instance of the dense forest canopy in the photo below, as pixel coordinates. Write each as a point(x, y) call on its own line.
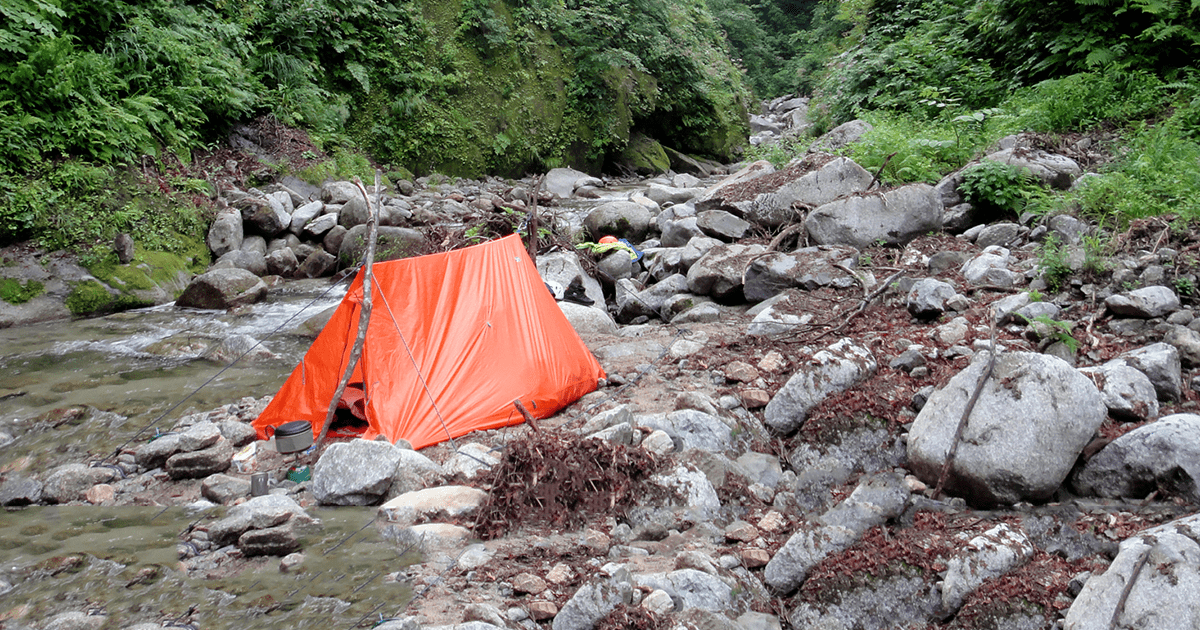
point(468, 87)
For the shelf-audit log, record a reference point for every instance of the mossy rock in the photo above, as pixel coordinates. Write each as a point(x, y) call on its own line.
point(645, 156)
point(150, 278)
point(89, 298)
point(391, 243)
point(14, 292)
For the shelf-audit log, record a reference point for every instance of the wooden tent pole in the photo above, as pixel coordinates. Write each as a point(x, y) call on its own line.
point(364, 314)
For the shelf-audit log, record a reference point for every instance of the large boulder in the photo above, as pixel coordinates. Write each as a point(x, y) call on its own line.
point(622, 219)
point(1160, 455)
point(719, 272)
point(737, 192)
point(263, 215)
point(222, 289)
point(1165, 593)
point(251, 260)
point(893, 218)
point(225, 233)
point(828, 372)
point(692, 429)
point(562, 182)
point(304, 215)
point(1127, 392)
point(1161, 363)
point(807, 268)
point(633, 303)
point(391, 243)
point(358, 472)
point(841, 136)
point(1058, 171)
point(803, 185)
point(1144, 303)
point(1034, 405)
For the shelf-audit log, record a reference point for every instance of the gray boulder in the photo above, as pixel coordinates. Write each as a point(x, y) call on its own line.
point(249, 259)
point(632, 303)
point(1032, 404)
point(562, 182)
point(735, 193)
point(282, 262)
point(692, 428)
point(317, 264)
point(201, 463)
point(1164, 595)
point(986, 556)
point(718, 273)
point(1144, 303)
point(894, 218)
point(262, 512)
point(808, 268)
point(690, 588)
point(875, 500)
point(70, 481)
point(223, 489)
point(841, 136)
point(1161, 363)
point(678, 232)
point(562, 268)
point(990, 267)
point(1127, 393)
point(722, 225)
point(670, 195)
point(798, 185)
point(225, 233)
point(304, 215)
point(1187, 341)
point(263, 215)
point(927, 298)
point(222, 289)
point(358, 472)
point(1058, 171)
point(622, 219)
point(591, 603)
point(391, 243)
point(830, 371)
point(319, 226)
point(339, 192)
point(1003, 234)
point(1160, 455)
point(778, 315)
point(19, 491)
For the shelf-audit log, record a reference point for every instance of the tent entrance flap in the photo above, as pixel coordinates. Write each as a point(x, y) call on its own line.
point(463, 334)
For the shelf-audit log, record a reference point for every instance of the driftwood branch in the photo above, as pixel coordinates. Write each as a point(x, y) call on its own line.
point(866, 301)
point(533, 220)
point(875, 180)
point(962, 422)
point(364, 314)
point(1133, 576)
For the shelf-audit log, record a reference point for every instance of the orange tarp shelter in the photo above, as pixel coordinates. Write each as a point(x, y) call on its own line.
point(453, 340)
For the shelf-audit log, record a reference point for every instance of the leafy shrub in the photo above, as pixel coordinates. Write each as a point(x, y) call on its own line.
point(996, 185)
point(1083, 100)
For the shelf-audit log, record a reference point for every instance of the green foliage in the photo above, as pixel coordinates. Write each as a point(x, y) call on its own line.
point(89, 297)
point(997, 186)
point(343, 164)
point(1060, 330)
point(1052, 261)
point(1083, 100)
point(14, 292)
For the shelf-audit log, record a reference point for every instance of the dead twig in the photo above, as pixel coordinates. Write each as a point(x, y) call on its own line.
point(962, 422)
point(866, 301)
point(875, 180)
point(528, 416)
point(1133, 576)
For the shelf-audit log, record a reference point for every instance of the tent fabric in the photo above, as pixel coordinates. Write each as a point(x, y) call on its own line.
point(453, 340)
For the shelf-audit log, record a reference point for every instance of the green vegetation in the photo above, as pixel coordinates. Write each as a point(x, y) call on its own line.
point(15, 292)
point(89, 297)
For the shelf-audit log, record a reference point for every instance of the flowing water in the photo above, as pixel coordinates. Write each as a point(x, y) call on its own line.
point(122, 561)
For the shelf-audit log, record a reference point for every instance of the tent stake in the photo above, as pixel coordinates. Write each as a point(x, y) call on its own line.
point(364, 315)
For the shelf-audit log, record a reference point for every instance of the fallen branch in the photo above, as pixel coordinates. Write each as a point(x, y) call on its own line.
point(1133, 576)
point(875, 180)
point(962, 422)
point(364, 314)
point(528, 416)
point(533, 220)
point(866, 301)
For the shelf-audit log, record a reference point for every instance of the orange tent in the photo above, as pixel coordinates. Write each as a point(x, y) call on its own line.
point(453, 340)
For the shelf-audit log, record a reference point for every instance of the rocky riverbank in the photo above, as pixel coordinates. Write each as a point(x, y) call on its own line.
point(789, 363)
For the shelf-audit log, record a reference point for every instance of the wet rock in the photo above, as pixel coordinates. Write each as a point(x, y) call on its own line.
point(430, 504)
point(988, 555)
point(224, 489)
point(1164, 594)
point(1127, 393)
point(875, 500)
point(1162, 455)
point(1144, 303)
point(358, 472)
point(75, 621)
point(808, 268)
point(895, 217)
point(233, 348)
point(69, 482)
point(201, 463)
point(100, 493)
point(257, 513)
point(829, 371)
point(17, 491)
point(222, 289)
point(317, 264)
point(269, 541)
point(927, 298)
point(1032, 404)
point(1160, 362)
